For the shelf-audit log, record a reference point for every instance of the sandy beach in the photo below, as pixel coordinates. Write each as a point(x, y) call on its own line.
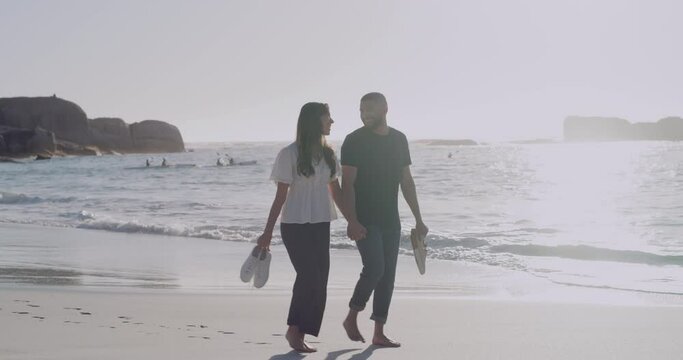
point(44, 315)
point(87, 325)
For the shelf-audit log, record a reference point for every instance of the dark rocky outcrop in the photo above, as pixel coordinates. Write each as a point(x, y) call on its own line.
point(24, 142)
point(578, 128)
point(111, 134)
point(69, 148)
point(54, 126)
point(15, 141)
point(64, 118)
point(156, 136)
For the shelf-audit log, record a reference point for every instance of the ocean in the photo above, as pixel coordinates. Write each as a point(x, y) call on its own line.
point(593, 215)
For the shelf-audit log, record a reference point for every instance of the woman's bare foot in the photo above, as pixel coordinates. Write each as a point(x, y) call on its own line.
point(351, 327)
point(381, 340)
point(309, 348)
point(295, 338)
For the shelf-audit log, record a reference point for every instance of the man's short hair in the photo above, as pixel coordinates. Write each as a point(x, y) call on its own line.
point(374, 96)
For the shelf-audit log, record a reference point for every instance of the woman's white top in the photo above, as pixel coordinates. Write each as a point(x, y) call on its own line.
point(308, 198)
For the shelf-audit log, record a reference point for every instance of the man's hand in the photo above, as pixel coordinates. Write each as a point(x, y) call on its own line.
point(421, 228)
point(356, 231)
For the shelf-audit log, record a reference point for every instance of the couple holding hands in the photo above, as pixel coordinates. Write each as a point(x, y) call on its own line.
point(375, 162)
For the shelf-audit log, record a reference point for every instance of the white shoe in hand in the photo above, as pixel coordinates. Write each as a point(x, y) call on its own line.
point(419, 250)
point(250, 264)
point(262, 269)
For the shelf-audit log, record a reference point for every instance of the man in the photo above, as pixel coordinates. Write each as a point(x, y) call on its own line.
point(375, 162)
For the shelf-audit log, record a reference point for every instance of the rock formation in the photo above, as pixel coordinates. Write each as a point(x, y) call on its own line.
point(156, 136)
point(578, 128)
point(54, 126)
point(64, 118)
point(111, 134)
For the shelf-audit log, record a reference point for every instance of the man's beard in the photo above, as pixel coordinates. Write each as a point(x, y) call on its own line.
point(375, 123)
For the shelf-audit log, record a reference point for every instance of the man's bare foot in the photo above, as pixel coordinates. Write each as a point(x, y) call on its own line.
point(296, 341)
point(351, 327)
point(381, 340)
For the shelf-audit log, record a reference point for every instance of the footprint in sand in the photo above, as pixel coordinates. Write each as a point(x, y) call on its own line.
point(262, 343)
point(20, 312)
point(85, 313)
point(71, 322)
point(32, 305)
point(124, 317)
point(277, 335)
point(197, 337)
point(22, 301)
point(73, 308)
point(138, 323)
point(193, 326)
point(203, 326)
point(226, 332)
point(39, 317)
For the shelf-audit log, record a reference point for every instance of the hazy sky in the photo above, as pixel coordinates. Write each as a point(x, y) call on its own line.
point(240, 70)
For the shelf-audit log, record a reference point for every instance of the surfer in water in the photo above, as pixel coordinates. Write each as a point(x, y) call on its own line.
point(164, 163)
point(375, 162)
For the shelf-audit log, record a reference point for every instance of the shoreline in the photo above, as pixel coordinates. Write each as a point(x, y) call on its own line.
point(207, 266)
point(455, 310)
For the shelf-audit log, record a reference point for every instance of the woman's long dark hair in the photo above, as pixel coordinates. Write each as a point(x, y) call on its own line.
point(310, 140)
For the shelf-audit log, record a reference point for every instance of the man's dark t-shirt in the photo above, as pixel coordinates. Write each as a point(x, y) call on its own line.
point(380, 160)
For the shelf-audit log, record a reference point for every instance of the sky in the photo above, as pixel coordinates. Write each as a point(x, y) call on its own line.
point(241, 70)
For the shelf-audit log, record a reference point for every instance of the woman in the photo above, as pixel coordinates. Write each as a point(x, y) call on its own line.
point(306, 173)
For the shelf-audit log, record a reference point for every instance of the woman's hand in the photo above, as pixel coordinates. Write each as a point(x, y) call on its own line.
point(264, 241)
point(356, 231)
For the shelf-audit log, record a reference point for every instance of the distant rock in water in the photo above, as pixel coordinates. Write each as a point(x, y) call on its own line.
point(578, 128)
point(25, 141)
point(53, 126)
point(64, 118)
point(156, 136)
point(449, 142)
point(111, 134)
